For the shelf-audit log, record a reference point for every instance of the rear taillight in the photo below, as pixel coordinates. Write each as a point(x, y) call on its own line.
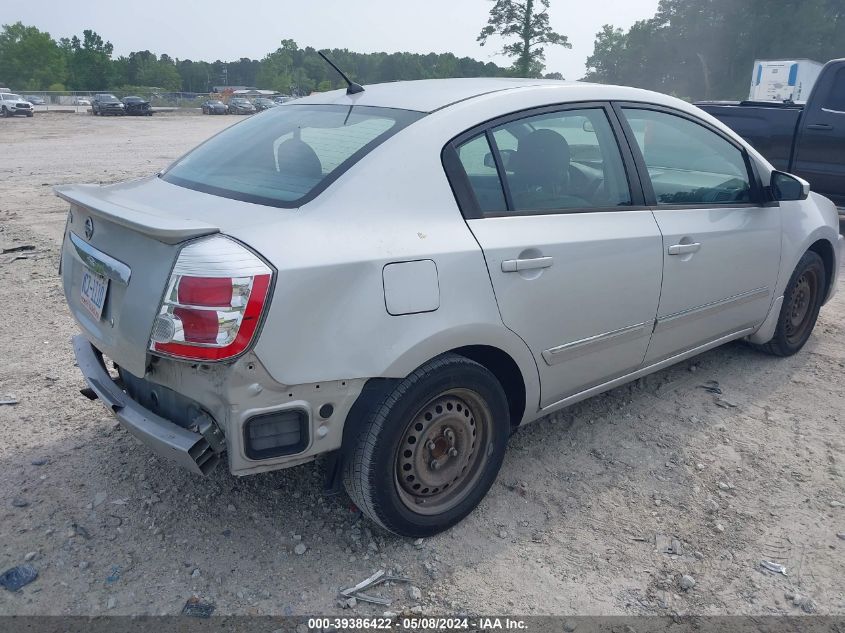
point(215, 297)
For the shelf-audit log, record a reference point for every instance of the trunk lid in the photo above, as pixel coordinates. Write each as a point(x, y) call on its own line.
point(120, 245)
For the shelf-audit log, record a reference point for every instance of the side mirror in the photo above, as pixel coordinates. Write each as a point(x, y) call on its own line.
point(587, 126)
point(788, 187)
point(507, 158)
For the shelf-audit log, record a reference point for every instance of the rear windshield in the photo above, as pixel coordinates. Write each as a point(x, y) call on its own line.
point(285, 156)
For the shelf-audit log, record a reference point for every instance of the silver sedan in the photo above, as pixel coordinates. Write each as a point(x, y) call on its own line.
point(396, 279)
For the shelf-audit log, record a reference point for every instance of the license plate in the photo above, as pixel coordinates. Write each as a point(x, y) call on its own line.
point(93, 292)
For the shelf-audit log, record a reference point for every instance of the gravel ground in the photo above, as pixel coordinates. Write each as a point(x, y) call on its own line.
point(659, 497)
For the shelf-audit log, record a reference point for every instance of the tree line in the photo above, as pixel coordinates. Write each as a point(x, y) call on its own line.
point(32, 60)
point(705, 49)
point(693, 49)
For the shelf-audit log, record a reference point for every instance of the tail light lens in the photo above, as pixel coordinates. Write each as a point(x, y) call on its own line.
point(215, 297)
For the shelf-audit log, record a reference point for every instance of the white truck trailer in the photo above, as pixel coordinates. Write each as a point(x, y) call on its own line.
point(783, 80)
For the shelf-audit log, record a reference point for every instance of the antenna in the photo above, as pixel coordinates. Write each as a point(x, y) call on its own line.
point(352, 88)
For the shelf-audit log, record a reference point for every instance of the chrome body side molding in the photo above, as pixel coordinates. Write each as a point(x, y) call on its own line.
point(681, 318)
point(595, 343)
point(616, 382)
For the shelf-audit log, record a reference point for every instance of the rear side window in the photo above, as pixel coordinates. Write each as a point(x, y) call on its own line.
point(555, 162)
point(286, 156)
point(478, 163)
point(562, 160)
point(687, 163)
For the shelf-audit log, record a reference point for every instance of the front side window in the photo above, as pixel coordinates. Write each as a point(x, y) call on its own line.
point(287, 155)
point(686, 162)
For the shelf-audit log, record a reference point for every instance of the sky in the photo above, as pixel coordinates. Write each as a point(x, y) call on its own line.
point(231, 30)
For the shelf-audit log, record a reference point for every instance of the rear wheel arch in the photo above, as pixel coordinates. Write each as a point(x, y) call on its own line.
point(506, 371)
point(498, 362)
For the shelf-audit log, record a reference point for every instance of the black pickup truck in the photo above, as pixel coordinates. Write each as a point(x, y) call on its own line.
point(806, 140)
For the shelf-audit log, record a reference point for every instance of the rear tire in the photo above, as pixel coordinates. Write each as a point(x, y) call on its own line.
point(429, 451)
point(802, 301)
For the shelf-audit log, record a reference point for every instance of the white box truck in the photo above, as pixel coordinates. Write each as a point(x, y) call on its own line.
point(783, 80)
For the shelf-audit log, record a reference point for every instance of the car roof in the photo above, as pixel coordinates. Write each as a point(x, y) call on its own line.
point(428, 95)
point(423, 95)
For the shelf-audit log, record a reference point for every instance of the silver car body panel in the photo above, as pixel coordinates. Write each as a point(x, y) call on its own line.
point(330, 326)
point(605, 278)
point(726, 284)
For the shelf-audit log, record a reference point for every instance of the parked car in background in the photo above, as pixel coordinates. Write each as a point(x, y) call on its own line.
point(136, 106)
point(80, 101)
point(283, 99)
point(106, 104)
point(263, 104)
point(239, 105)
point(400, 277)
point(804, 139)
point(214, 106)
point(35, 99)
point(12, 105)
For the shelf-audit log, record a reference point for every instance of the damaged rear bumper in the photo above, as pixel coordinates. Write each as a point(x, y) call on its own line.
point(188, 449)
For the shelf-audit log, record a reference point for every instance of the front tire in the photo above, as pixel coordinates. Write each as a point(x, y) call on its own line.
point(429, 451)
point(802, 301)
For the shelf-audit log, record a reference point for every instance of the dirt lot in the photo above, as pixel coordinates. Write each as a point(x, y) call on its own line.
point(575, 523)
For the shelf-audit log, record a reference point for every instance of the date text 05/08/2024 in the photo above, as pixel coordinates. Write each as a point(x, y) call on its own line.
point(417, 624)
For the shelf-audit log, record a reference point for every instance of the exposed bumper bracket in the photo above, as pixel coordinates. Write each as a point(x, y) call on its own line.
point(188, 449)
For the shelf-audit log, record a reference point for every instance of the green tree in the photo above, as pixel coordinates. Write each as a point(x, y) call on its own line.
point(528, 22)
point(195, 76)
point(29, 59)
point(275, 71)
point(89, 61)
point(705, 49)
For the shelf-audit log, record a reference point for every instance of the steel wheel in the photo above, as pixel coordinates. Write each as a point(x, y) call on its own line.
point(804, 297)
point(439, 458)
point(429, 446)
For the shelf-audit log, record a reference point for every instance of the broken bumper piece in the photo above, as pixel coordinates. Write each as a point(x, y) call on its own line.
point(166, 439)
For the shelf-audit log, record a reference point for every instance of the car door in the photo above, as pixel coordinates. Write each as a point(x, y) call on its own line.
point(821, 145)
point(573, 255)
point(721, 241)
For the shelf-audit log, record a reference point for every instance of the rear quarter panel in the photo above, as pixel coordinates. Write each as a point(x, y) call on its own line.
point(328, 319)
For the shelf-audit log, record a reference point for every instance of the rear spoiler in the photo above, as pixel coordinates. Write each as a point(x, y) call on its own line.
point(159, 224)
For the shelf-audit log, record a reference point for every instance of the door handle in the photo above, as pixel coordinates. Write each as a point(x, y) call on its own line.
point(517, 265)
point(820, 126)
point(683, 249)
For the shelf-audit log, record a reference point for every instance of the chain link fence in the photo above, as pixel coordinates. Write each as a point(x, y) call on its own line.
point(78, 101)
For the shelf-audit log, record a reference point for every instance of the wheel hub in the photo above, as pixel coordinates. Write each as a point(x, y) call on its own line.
point(801, 310)
point(437, 448)
point(800, 302)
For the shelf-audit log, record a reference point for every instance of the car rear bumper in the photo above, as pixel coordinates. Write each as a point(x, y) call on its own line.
point(188, 449)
